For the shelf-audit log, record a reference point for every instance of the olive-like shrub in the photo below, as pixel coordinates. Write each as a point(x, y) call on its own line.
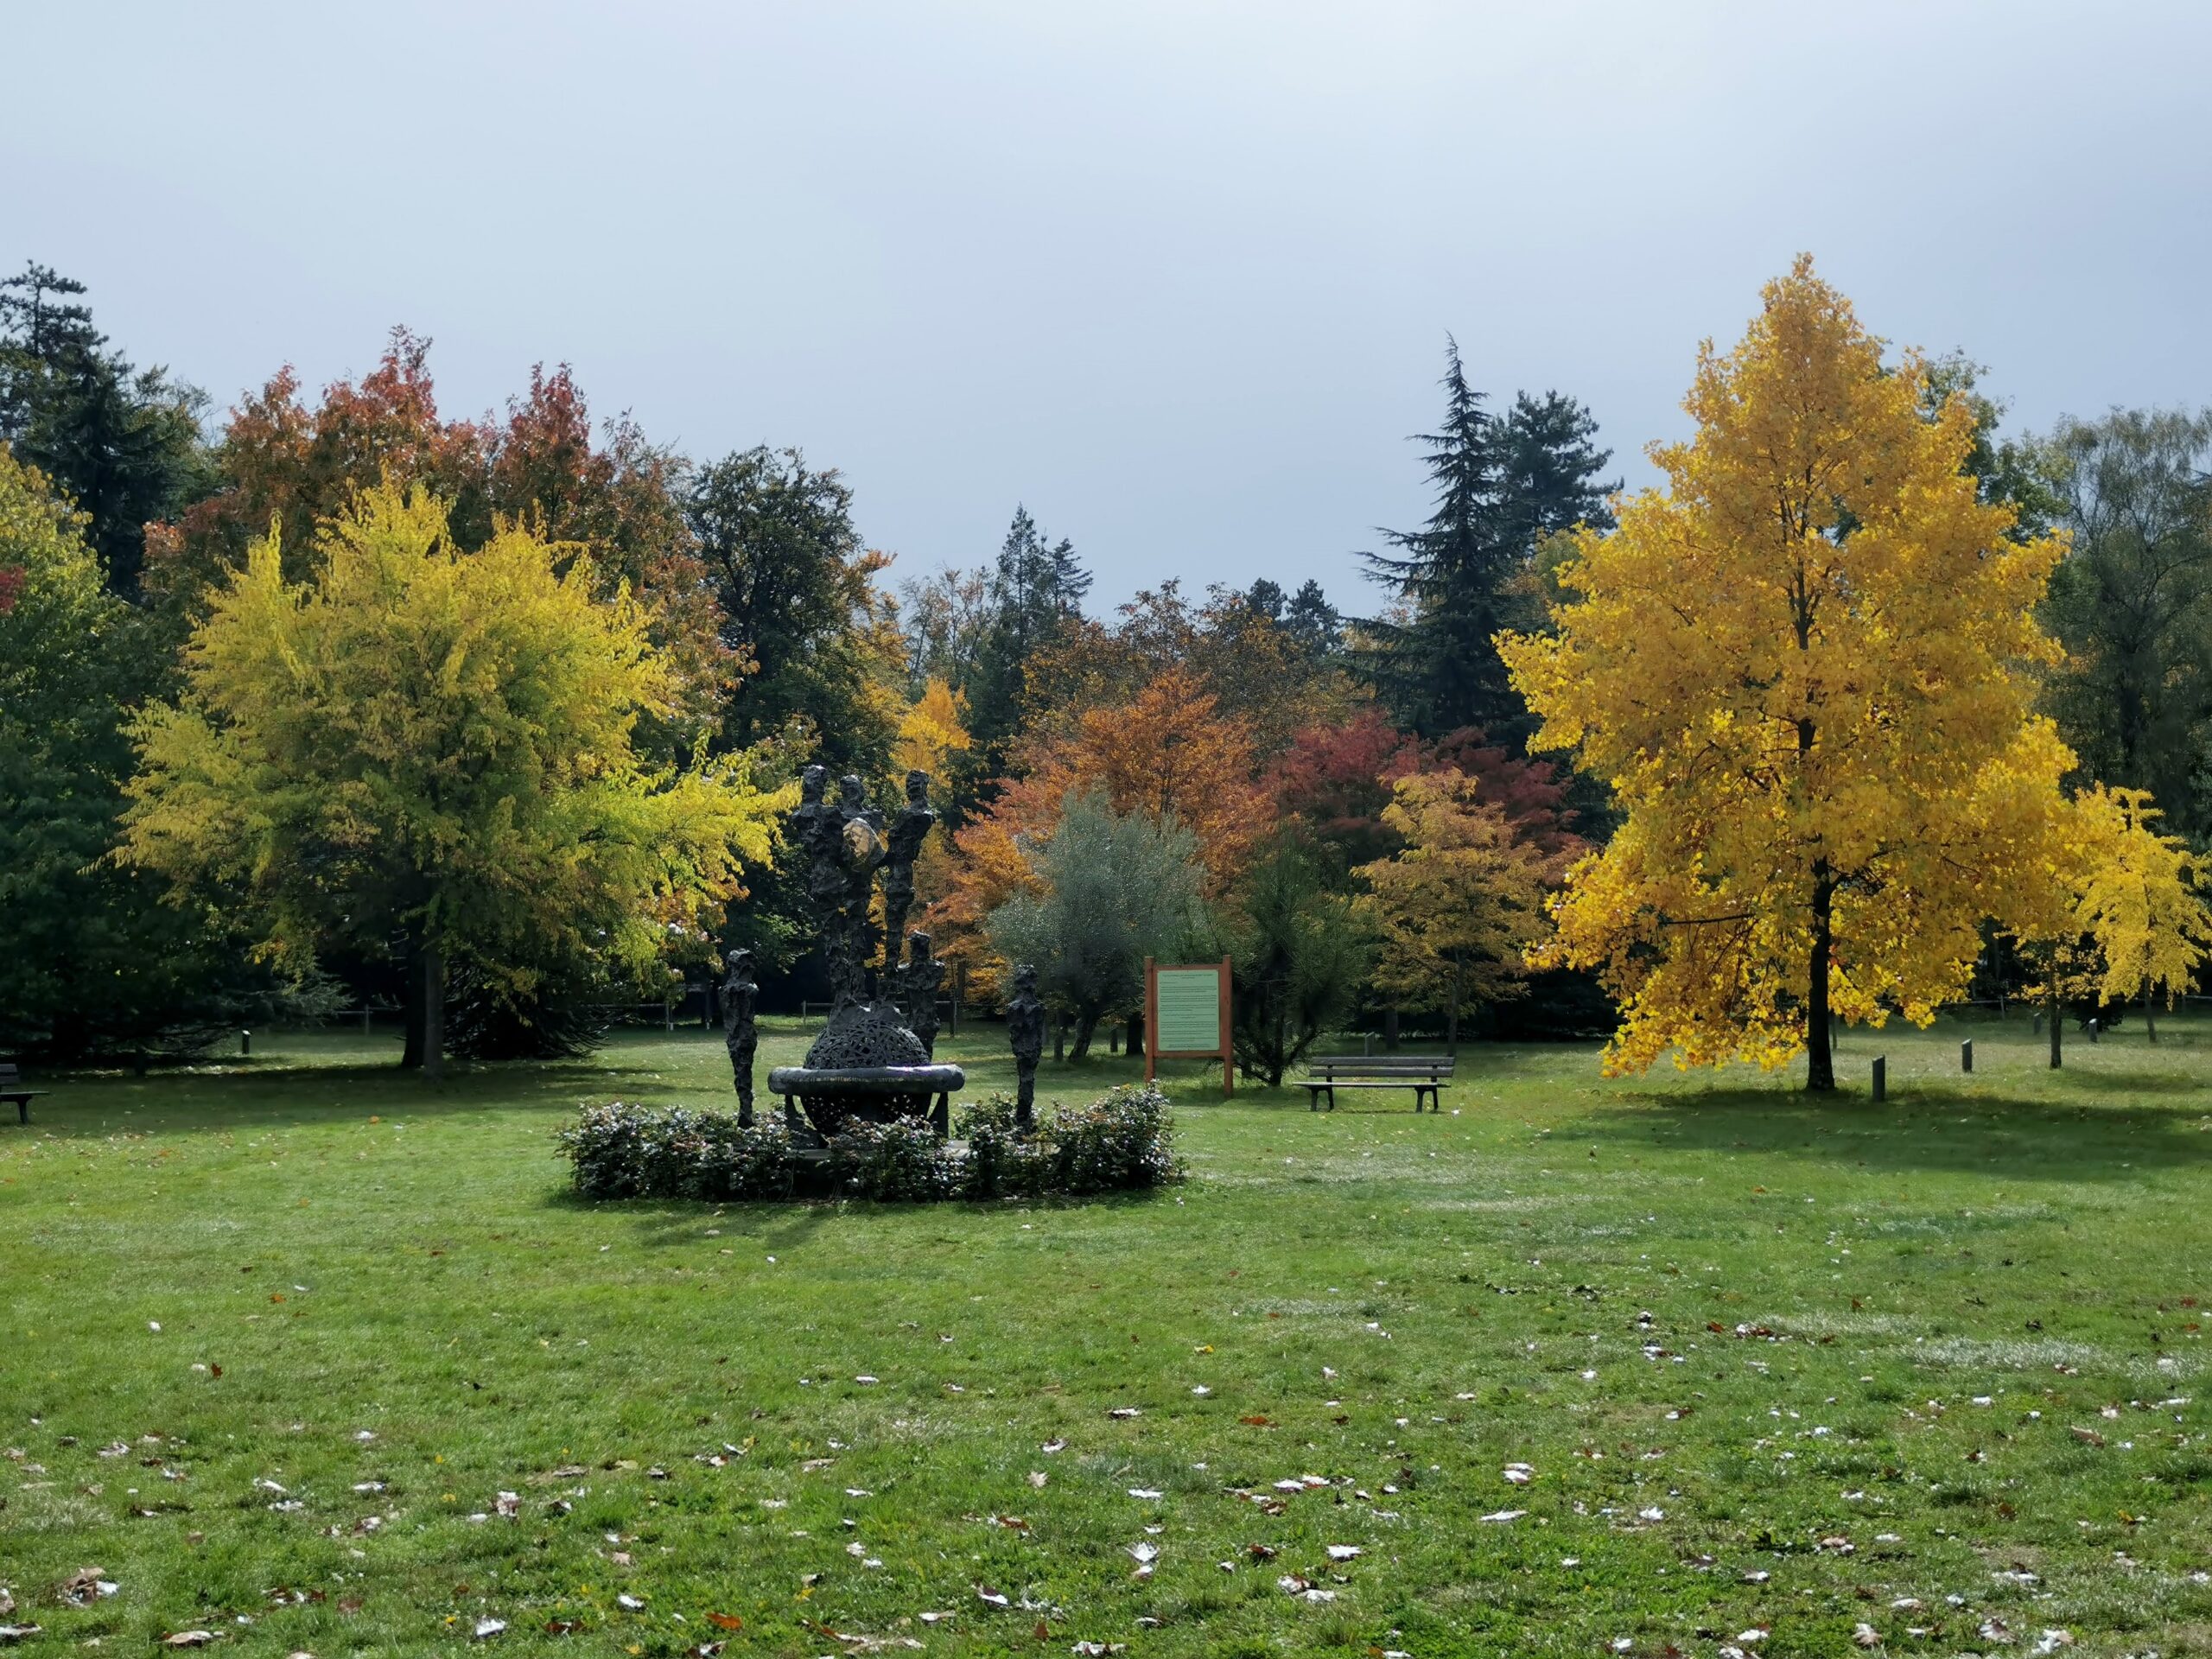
point(1123, 1140)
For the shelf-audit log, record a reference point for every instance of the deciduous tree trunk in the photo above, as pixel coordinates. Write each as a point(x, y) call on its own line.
point(2057, 1015)
point(411, 1055)
point(1820, 1055)
point(434, 1010)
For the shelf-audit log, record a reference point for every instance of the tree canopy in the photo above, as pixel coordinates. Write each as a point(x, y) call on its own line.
point(435, 744)
point(1808, 670)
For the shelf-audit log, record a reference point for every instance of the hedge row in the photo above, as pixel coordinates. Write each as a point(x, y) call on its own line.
point(1123, 1140)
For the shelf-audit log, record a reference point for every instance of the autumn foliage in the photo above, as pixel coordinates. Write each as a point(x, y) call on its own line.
point(1170, 751)
point(1807, 668)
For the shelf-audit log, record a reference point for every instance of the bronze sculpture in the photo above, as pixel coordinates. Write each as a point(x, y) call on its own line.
point(740, 1034)
point(918, 981)
point(1024, 1034)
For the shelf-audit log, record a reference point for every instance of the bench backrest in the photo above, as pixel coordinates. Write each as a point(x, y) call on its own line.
point(1383, 1067)
point(8, 1074)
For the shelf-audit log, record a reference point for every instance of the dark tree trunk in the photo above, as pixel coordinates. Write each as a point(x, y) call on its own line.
point(425, 1023)
point(1452, 1018)
point(1136, 1035)
point(2057, 1041)
point(1820, 1053)
point(1085, 1025)
point(410, 1056)
point(2150, 1016)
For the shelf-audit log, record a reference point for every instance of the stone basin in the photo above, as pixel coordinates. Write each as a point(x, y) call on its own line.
point(830, 1095)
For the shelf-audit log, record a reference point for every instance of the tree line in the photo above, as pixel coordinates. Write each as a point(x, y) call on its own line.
point(338, 698)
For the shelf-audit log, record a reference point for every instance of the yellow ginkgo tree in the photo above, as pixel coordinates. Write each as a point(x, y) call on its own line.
point(2136, 900)
point(1806, 667)
point(437, 745)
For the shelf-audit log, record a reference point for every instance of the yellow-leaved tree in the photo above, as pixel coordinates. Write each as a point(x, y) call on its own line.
point(1806, 667)
point(1457, 907)
point(421, 743)
point(933, 729)
point(2138, 901)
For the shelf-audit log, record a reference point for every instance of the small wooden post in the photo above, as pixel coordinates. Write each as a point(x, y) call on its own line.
point(1059, 1038)
point(2095, 1025)
point(245, 1042)
point(1151, 1016)
point(1881, 1077)
point(1228, 1042)
point(2058, 1024)
point(1113, 1040)
point(1966, 1055)
point(365, 1018)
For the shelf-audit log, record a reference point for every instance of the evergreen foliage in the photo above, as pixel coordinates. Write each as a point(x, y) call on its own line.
point(1034, 593)
point(93, 964)
point(122, 443)
point(1500, 487)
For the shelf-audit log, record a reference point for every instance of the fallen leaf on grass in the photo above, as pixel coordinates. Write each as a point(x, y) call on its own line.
point(2088, 1436)
point(992, 1598)
point(189, 1639)
point(1344, 1552)
point(1867, 1635)
point(1144, 1493)
point(1125, 1411)
point(87, 1584)
point(1257, 1419)
point(1500, 1517)
point(1037, 1478)
point(487, 1627)
point(726, 1621)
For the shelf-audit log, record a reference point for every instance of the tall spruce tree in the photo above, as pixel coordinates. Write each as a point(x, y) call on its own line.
point(1035, 591)
point(1502, 484)
point(123, 443)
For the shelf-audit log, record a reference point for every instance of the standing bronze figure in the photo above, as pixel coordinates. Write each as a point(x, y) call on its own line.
point(908, 830)
point(918, 987)
point(740, 1034)
point(1024, 1034)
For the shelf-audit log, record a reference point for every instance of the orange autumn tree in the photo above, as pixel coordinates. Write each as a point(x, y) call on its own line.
point(609, 496)
point(1807, 668)
point(1168, 751)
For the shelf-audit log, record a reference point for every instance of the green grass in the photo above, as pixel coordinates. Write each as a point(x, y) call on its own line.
point(1401, 1306)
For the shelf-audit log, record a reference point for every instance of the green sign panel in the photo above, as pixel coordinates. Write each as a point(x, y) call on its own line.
point(1190, 1011)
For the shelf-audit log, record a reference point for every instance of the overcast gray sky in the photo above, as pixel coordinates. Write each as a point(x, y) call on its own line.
point(1178, 276)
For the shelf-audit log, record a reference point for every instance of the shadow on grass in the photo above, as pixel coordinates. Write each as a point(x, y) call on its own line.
point(282, 1095)
point(1933, 1130)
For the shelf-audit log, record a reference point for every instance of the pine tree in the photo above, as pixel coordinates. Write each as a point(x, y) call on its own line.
point(1035, 591)
point(1501, 485)
point(122, 443)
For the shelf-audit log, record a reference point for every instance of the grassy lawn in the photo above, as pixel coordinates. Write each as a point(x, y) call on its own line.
point(277, 1335)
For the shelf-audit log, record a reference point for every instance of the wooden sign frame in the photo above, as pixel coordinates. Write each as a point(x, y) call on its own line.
point(1153, 1051)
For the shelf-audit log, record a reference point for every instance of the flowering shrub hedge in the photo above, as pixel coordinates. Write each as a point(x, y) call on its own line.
point(636, 1152)
point(1123, 1140)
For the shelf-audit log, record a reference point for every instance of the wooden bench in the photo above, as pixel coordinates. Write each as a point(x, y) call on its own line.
point(1425, 1074)
point(11, 1088)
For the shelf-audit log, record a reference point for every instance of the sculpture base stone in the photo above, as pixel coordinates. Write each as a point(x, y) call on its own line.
point(865, 1067)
